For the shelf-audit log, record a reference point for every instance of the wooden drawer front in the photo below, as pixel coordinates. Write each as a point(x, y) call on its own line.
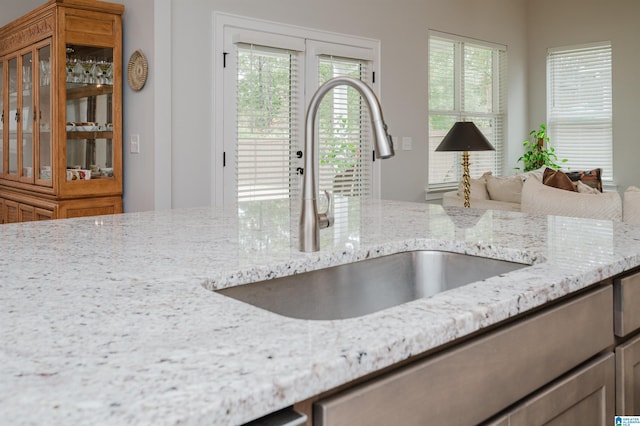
point(628, 378)
point(626, 299)
point(586, 397)
point(91, 211)
point(470, 383)
point(91, 207)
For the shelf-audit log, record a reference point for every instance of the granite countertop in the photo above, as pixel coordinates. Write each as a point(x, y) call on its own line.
point(111, 319)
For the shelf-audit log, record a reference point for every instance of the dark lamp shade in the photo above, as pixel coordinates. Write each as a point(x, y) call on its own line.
point(465, 136)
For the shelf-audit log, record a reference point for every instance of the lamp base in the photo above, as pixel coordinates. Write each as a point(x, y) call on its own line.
point(466, 179)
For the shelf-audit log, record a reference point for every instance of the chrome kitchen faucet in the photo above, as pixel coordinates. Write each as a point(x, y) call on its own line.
point(310, 220)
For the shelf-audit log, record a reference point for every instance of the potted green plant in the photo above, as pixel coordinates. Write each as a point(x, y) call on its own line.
point(538, 151)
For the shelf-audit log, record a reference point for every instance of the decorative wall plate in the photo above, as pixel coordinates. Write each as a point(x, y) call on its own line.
point(137, 70)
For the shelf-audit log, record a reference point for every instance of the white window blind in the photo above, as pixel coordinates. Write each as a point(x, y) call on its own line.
point(266, 125)
point(267, 99)
point(467, 82)
point(580, 106)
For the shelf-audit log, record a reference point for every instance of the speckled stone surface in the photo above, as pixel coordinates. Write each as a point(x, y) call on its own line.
point(111, 320)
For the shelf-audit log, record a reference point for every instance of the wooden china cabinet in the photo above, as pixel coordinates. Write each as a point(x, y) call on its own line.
point(61, 112)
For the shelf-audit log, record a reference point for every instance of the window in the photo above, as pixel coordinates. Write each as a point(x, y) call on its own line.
point(467, 82)
point(270, 73)
point(579, 111)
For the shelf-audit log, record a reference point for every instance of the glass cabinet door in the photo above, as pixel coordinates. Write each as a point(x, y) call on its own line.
point(14, 116)
point(89, 113)
point(44, 114)
point(28, 117)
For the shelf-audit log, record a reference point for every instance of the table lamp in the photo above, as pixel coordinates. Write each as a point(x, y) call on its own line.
point(465, 136)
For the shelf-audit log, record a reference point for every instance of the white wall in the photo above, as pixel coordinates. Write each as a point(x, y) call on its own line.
point(402, 29)
point(553, 23)
point(147, 113)
point(138, 169)
point(172, 114)
point(12, 9)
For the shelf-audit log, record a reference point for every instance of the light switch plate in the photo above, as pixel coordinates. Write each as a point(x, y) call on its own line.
point(135, 144)
point(407, 143)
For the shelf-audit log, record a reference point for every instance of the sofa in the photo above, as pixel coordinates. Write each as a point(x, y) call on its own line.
point(506, 193)
point(551, 192)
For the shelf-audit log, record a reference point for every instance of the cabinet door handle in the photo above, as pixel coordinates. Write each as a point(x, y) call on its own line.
point(18, 116)
point(2, 117)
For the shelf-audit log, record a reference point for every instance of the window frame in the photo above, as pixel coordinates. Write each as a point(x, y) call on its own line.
point(567, 151)
point(271, 151)
point(320, 49)
point(498, 96)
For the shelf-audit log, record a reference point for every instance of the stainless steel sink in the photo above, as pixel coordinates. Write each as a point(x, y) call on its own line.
point(364, 287)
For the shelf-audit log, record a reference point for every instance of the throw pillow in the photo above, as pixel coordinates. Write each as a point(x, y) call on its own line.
point(593, 178)
point(586, 189)
point(478, 188)
point(507, 189)
point(537, 173)
point(631, 205)
point(557, 179)
point(538, 198)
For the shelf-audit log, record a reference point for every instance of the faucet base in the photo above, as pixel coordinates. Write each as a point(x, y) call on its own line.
point(309, 229)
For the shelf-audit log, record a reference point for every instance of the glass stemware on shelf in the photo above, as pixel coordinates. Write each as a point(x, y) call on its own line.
point(89, 70)
point(45, 72)
point(104, 72)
